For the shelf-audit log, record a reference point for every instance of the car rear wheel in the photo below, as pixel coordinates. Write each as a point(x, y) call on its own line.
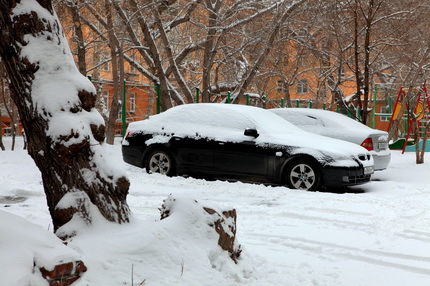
point(161, 162)
point(303, 174)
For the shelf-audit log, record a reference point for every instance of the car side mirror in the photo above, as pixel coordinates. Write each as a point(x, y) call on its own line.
point(251, 132)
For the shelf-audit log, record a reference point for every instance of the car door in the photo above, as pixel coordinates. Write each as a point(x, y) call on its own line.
point(240, 158)
point(194, 154)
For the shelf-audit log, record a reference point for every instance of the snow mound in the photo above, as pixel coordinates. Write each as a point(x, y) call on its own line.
point(182, 244)
point(27, 245)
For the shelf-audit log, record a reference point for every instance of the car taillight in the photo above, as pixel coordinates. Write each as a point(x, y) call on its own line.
point(368, 144)
point(128, 134)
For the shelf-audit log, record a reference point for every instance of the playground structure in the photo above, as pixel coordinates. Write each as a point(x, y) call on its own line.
point(409, 120)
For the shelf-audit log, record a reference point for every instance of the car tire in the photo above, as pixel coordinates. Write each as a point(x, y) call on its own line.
point(304, 174)
point(161, 162)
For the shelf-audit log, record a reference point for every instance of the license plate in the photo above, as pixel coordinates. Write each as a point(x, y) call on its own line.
point(368, 170)
point(383, 146)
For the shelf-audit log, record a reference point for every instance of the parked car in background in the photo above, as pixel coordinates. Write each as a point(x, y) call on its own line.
point(339, 126)
point(228, 141)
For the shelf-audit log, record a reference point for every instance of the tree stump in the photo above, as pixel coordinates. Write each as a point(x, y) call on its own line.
point(64, 274)
point(223, 222)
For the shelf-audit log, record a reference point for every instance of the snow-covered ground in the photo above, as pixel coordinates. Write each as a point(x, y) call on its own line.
point(375, 234)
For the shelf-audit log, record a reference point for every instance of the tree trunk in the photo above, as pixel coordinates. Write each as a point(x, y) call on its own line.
point(64, 132)
point(10, 110)
point(373, 7)
point(1, 135)
point(13, 120)
point(2, 96)
point(420, 159)
point(74, 10)
point(117, 76)
point(209, 51)
point(357, 72)
point(222, 222)
point(287, 96)
point(416, 139)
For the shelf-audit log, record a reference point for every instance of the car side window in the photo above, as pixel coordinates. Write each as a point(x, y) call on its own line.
point(224, 126)
point(230, 120)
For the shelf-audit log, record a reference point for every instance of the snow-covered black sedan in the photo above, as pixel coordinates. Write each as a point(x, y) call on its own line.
point(228, 141)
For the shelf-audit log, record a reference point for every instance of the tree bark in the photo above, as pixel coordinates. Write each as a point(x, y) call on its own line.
point(10, 110)
point(79, 35)
point(117, 75)
point(13, 120)
point(2, 96)
point(74, 171)
point(357, 72)
point(209, 50)
point(420, 156)
point(287, 96)
point(1, 135)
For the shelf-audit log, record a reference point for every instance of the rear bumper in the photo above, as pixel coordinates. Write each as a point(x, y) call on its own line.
point(343, 176)
point(132, 155)
point(381, 161)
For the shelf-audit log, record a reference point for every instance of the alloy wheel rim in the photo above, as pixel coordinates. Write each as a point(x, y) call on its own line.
point(302, 176)
point(159, 163)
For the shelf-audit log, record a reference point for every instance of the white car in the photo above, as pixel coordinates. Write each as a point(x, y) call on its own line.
point(339, 126)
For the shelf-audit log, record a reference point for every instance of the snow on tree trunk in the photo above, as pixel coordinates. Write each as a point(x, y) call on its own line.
point(65, 133)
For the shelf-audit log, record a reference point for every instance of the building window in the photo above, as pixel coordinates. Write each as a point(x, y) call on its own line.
point(7, 131)
point(282, 86)
point(302, 86)
point(132, 102)
point(106, 67)
point(384, 109)
point(342, 72)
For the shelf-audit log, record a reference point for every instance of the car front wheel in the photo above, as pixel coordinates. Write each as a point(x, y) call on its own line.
point(303, 174)
point(160, 162)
